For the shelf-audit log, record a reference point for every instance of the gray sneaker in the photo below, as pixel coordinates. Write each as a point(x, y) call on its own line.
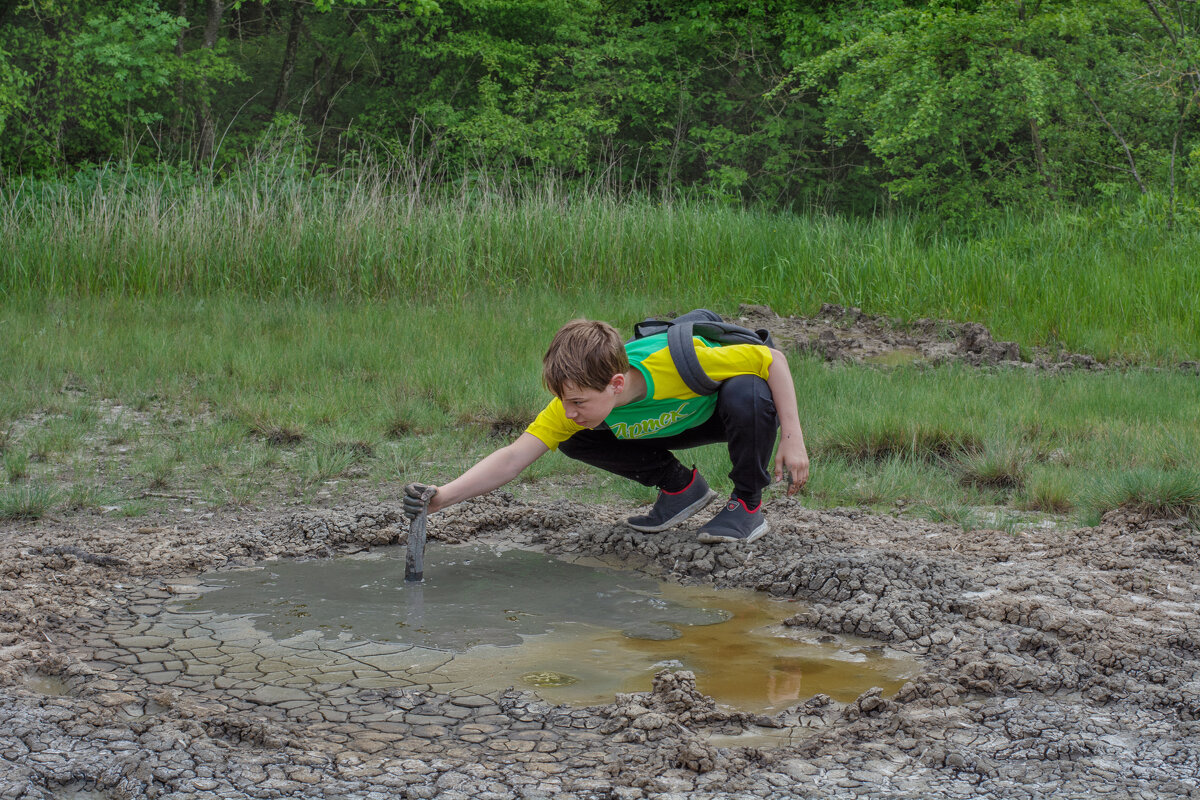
point(734, 523)
point(672, 508)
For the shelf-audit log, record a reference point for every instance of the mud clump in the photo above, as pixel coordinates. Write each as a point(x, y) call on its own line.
point(1057, 663)
point(673, 707)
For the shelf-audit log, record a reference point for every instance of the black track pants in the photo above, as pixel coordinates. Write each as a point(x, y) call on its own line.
point(745, 418)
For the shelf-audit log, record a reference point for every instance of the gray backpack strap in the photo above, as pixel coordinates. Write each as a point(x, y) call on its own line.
point(707, 325)
point(683, 353)
point(649, 327)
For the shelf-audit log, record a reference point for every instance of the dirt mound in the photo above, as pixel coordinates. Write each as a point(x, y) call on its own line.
point(837, 333)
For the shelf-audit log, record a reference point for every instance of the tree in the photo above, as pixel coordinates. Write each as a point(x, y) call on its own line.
point(965, 105)
point(80, 80)
point(1175, 72)
point(88, 81)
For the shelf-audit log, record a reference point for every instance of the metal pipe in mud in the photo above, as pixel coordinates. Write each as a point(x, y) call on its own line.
point(414, 560)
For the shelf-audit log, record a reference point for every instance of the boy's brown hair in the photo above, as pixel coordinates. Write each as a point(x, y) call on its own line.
point(585, 353)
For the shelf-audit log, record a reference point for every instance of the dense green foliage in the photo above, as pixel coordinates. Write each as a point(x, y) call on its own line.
point(954, 106)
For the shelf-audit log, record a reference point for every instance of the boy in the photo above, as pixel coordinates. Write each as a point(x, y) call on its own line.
point(624, 408)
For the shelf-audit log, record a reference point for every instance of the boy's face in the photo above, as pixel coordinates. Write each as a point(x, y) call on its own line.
point(589, 407)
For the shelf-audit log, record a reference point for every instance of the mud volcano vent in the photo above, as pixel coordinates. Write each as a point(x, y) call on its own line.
point(1047, 663)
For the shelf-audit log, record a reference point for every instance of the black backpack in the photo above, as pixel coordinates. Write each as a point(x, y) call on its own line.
point(705, 324)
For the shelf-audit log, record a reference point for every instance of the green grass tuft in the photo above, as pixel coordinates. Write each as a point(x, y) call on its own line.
point(999, 466)
point(278, 435)
point(398, 427)
point(121, 431)
point(159, 468)
point(27, 502)
point(891, 481)
point(1049, 492)
point(333, 459)
point(952, 513)
point(85, 496)
point(877, 439)
point(1166, 494)
point(16, 465)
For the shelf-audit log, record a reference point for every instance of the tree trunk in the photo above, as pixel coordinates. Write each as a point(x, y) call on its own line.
point(204, 114)
point(289, 57)
point(212, 25)
point(180, 92)
point(325, 88)
point(1133, 170)
point(1039, 156)
point(181, 11)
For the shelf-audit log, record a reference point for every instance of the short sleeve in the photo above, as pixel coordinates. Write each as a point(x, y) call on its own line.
point(551, 426)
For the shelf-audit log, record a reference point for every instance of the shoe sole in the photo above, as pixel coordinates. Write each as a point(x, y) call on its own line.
point(715, 538)
point(678, 518)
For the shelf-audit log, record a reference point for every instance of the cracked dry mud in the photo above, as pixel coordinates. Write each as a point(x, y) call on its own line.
point(1056, 663)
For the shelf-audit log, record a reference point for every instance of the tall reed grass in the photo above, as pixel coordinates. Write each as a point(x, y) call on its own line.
point(391, 232)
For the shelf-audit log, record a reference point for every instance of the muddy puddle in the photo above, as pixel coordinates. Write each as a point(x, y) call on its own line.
point(49, 685)
point(80, 791)
point(487, 618)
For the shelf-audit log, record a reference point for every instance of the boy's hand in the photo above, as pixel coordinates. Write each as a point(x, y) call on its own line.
point(792, 461)
point(416, 498)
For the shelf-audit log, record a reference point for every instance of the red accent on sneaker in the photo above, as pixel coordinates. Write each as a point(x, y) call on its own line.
point(735, 501)
point(684, 489)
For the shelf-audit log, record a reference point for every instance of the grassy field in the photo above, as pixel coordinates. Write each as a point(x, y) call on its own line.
point(1098, 284)
point(130, 404)
point(170, 341)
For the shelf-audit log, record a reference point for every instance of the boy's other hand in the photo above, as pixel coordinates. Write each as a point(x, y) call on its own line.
point(791, 462)
point(416, 498)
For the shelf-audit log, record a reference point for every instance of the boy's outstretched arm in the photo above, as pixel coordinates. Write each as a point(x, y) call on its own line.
point(792, 454)
point(491, 472)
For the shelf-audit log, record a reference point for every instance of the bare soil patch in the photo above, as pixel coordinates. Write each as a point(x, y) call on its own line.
point(837, 333)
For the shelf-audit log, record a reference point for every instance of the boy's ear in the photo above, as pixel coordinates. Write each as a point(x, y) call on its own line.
point(617, 382)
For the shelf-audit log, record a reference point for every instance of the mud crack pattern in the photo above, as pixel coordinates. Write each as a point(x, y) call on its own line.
point(1058, 664)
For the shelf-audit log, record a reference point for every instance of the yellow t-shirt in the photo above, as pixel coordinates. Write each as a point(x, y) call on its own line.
point(669, 406)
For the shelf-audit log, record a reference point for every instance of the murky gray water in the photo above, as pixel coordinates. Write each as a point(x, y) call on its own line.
point(51, 685)
point(471, 596)
point(575, 633)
